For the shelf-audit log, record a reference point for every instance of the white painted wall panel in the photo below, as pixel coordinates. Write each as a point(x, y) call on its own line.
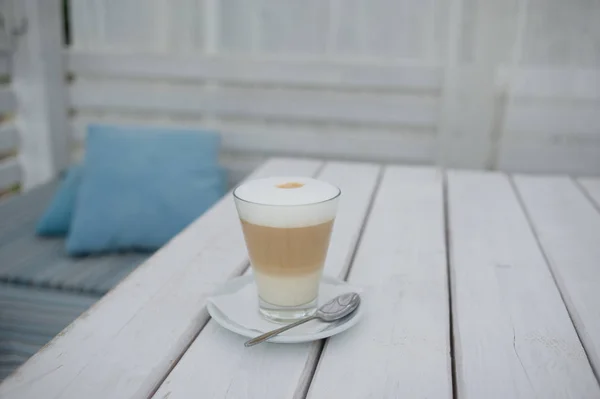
point(514, 76)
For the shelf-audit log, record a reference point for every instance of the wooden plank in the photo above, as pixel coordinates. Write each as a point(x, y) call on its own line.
point(10, 172)
point(592, 188)
point(551, 117)
point(513, 336)
point(4, 65)
point(544, 83)
point(8, 100)
point(535, 154)
point(297, 104)
point(568, 228)
point(330, 142)
point(9, 137)
point(468, 128)
point(111, 350)
point(248, 70)
point(284, 370)
point(401, 349)
point(449, 106)
point(38, 79)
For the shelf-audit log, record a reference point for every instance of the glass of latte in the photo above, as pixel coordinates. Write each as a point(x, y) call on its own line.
point(287, 223)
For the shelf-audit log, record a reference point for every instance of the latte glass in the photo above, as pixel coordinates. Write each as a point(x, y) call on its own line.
point(287, 224)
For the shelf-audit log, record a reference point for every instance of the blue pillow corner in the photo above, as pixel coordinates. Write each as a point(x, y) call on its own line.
point(56, 219)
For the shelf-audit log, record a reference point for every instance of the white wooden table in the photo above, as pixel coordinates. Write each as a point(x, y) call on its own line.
point(478, 285)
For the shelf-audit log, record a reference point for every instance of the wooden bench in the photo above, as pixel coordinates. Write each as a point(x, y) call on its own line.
point(42, 289)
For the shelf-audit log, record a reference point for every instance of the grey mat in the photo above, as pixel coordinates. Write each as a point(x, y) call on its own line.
point(42, 290)
point(30, 318)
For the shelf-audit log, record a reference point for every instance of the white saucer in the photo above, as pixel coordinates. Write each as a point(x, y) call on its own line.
point(315, 331)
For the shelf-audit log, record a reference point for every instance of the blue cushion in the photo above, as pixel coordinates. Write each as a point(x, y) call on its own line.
point(56, 219)
point(142, 186)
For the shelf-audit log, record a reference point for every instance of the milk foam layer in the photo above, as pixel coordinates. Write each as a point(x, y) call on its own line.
point(264, 202)
point(288, 290)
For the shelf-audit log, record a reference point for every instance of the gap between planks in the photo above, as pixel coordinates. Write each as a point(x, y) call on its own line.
point(316, 350)
point(450, 278)
point(547, 261)
point(586, 193)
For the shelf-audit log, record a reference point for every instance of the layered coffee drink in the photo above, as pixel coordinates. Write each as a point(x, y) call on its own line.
point(287, 223)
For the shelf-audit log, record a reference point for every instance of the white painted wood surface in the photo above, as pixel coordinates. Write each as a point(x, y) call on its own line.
point(449, 118)
point(402, 109)
point(592, 187)
point(362, 75)
point(38, 80)
point(9, 137)
point(500, 73)
point(568, 227)
point(10, 172)
point(578, 155)
point(550, 123)
point(513, 336)
point(285, 370)
point(402, 347)
point(553, 118)
point(8, 101)
point(4, 61)
point(395, 29)
point(127, 342)
point(544, 83)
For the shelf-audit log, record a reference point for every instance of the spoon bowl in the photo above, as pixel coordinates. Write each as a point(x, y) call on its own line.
point(336, 309)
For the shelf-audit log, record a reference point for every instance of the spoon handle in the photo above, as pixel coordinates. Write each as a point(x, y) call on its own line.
point(270, 334)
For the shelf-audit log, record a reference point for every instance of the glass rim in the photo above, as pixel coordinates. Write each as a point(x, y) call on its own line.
point(339, 192)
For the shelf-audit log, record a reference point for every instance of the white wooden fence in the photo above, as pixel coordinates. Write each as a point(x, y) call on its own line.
point(10, 172)
point(472, 83)
point(34, 100)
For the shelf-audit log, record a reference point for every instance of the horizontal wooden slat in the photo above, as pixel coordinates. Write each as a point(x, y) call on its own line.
point(526, 82)
point(4, 64)
point(10, 172)
point(8, 101)
point(564, 83)
point(546, 136)
point(543, 155)
point(362, 144)
point(567, 117)
point(244, 70)
point(401, 349)
point(127, 342)
point(513, 335)
point(296, 104)
point(9, 137)
point(197, 375)
point(568, 228)
point(552, 122)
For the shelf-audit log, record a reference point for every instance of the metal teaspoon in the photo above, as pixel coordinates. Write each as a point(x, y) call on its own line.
point(335, 309)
